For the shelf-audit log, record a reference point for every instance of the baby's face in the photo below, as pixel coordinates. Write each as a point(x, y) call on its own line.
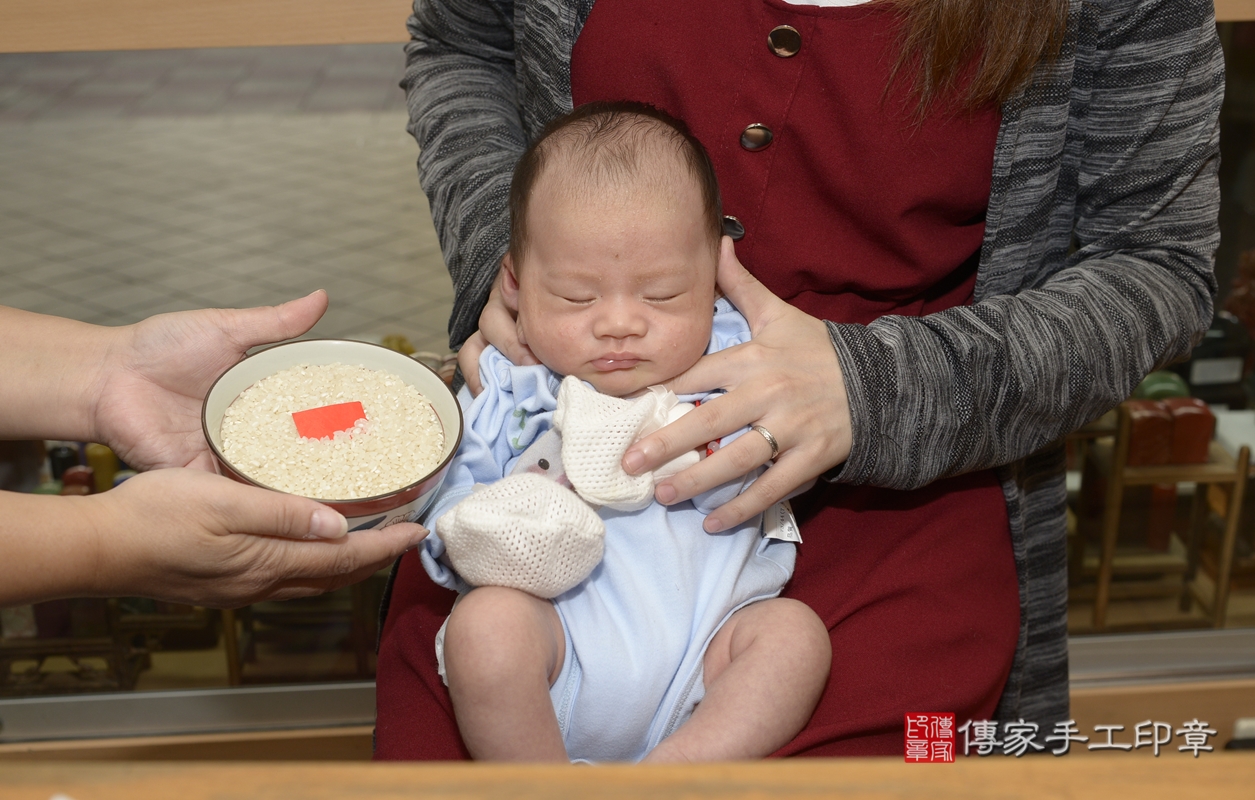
point(618, 291)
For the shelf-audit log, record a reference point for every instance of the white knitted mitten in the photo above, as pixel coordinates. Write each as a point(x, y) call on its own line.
point(684, 460)
point(526, 532)
point(596, 431)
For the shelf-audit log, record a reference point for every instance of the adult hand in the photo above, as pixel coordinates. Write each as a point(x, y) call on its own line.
point(155, 374)
point(786, 379)
point(191, 537)
point(497, 327)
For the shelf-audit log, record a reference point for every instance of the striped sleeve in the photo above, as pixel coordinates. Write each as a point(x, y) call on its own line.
point(1136, 184)
point(460, 89)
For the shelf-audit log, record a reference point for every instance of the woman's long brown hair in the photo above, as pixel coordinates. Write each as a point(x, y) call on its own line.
point(974, 52)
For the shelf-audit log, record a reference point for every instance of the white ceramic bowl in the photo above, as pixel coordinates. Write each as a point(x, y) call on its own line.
point(406, 504)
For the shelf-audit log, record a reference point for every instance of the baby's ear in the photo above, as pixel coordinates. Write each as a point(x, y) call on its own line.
point(510, 293)
point(509, 282)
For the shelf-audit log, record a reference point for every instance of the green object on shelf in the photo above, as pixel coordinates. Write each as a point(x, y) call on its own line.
point(1160, 385)
point(399, 343)
point(51, 487)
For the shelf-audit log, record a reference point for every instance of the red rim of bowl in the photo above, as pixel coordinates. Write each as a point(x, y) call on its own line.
point(361, 506)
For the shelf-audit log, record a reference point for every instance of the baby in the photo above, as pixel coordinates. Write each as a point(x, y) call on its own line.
point(676, 647)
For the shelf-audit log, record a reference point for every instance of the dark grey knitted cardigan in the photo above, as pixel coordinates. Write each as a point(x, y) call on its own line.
point(1096, 265)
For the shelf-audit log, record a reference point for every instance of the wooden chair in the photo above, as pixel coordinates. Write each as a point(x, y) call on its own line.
point(1222, 480)
point(354, 610)
point(107, 644)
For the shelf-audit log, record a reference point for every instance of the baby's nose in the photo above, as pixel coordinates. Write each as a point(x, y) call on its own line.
point(621, 318)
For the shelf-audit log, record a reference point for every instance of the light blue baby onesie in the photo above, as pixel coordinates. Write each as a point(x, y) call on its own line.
point(637, 628)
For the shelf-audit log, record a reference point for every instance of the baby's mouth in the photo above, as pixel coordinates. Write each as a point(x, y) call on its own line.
point(615, 361)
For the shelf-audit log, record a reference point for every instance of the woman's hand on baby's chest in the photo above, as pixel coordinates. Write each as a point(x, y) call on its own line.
point(786, 379)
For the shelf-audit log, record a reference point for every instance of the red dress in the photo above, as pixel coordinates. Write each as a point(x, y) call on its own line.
point(852, 211)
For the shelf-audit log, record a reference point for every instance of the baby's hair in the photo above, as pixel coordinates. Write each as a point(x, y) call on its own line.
point(609, 142)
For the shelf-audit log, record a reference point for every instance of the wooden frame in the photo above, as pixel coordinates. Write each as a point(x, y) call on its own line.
point(352, 743)
point(1175, 776)
point(60, 25)
point(1235, 10)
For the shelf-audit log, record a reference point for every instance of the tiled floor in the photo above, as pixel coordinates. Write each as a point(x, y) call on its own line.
point(180, 82)
point(137, 183)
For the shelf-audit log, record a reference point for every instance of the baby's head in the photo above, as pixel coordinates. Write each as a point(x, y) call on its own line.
point(615, 227)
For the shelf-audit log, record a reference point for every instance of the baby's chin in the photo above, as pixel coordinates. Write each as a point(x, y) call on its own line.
point(620, 382)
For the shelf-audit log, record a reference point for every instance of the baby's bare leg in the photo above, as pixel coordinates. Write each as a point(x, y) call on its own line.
point(503, 648)
point(764, 673)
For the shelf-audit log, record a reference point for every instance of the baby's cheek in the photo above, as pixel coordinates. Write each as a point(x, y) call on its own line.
point(557, 343)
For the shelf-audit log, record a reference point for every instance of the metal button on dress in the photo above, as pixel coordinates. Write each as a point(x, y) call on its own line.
point(733, 227)
point(756, 136)
point(784, 41)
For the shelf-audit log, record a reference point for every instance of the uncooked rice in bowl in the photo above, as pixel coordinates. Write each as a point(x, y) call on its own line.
point(398, 443)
